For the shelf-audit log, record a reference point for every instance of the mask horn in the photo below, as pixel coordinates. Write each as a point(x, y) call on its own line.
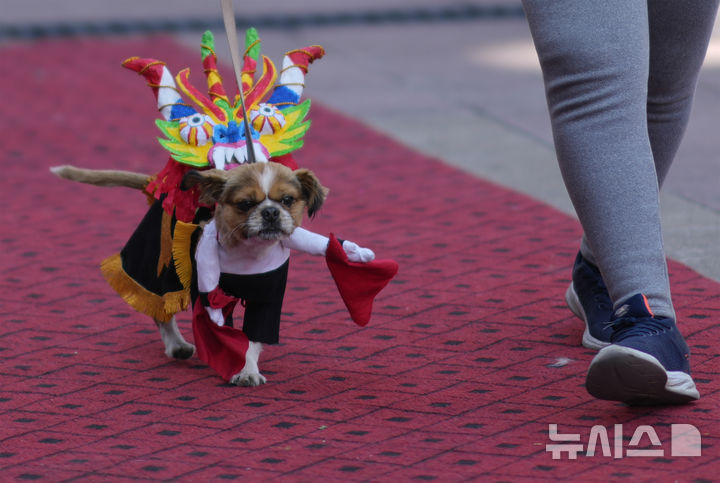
point(250, 59)
point(159, 78)
point(292, 76)
point(209, 60)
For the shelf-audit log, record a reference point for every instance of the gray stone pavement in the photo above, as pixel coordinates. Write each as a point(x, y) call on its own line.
point(468, 92)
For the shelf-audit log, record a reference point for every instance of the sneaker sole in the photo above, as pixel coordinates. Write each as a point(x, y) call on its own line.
point(620, 373)
point(576, 308)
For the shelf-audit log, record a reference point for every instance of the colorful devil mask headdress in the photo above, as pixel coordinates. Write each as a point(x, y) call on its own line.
point(210, 133)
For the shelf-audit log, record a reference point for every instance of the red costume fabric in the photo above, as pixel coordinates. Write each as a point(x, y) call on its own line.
point(221, 347)
point(358, 283)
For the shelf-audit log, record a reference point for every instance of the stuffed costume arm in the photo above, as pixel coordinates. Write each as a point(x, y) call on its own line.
point(358, 276)
point(208, 268)
point(309, 242)
point(208, 259)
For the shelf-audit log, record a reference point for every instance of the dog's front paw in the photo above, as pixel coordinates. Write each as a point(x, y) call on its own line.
point(248, 379)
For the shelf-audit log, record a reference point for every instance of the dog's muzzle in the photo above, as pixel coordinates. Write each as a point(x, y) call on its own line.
point(271, 223)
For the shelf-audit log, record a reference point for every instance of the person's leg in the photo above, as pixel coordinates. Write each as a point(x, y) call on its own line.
point(597, 70)
point(679, 35)
point(595, 61)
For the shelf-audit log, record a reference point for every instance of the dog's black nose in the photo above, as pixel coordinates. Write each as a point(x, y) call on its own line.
point(270, 214)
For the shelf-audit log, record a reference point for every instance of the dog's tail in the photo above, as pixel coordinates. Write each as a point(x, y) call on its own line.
point(102, 177)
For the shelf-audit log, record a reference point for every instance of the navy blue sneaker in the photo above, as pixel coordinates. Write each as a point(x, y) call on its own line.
point(588, 298)
point(648, 361)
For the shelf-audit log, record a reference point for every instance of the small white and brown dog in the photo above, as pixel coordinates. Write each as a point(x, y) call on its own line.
point(259, 210)
point(244, 250)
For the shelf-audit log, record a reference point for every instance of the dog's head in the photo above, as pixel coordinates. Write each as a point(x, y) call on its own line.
point(262, 201)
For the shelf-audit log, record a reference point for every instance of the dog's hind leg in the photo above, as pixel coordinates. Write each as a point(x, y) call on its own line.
point(175, 346)
point(250, 374)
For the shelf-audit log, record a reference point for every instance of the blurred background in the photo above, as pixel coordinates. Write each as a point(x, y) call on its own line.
point(455, 79)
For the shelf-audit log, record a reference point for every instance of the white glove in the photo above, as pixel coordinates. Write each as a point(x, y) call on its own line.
point(357, 253)
point(216, 316)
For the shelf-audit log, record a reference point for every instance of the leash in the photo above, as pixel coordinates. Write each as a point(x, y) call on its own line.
point(231, 33)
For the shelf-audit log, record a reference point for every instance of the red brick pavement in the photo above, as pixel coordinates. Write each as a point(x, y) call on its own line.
point(453, 379)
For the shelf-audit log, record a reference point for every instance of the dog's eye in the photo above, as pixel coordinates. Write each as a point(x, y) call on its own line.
point(246, 205)
point(287, 201)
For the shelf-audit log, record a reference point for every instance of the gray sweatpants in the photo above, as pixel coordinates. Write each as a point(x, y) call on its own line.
point(619, 78)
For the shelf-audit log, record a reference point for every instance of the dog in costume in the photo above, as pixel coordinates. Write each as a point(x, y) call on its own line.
point(194, 243)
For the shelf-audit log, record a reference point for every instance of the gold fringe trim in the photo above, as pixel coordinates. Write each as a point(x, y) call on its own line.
point(182, 239)
point(176, 302)
point(160, 308)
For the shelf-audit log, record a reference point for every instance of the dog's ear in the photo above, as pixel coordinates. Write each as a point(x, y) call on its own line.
point(313, 192)
point(211, 183)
